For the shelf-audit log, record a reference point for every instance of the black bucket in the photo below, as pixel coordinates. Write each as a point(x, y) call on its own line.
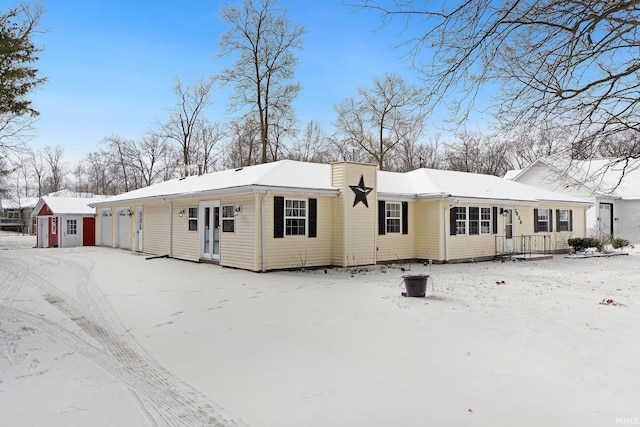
point(416, 284)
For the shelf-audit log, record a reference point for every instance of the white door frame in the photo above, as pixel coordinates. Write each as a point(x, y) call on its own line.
point(507, 214)
point(123, 218)
point(43, 231)
point(139, 223)
point(209, 226)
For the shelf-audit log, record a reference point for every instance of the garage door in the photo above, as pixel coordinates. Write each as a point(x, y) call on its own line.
point(124, 228)
point(106, 227)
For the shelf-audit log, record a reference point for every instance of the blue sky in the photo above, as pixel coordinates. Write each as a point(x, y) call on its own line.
point(111, 64)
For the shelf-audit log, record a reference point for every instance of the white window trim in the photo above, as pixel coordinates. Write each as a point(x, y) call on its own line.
point(224, 218)
point(305, 218)
point(387, 217)
point(190, 218)
point(466, 221)
point(563, 224)
point(543, 221)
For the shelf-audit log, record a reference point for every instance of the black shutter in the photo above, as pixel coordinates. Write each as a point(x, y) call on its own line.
point(313, 217)
point(382, 216)
point(452, 220)
point(494, 217)
point(558, 219)
point(570, 220)
point(278, 217)
point(535, 221)
point(405, 218)
point(550, 220)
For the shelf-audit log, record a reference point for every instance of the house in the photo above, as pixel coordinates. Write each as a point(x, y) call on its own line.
point(64, 222)
point(15, 214)
point(612, 186)
point(291, 214)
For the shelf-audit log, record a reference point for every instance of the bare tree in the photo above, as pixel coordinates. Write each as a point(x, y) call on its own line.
point(382, 118)
point(528, 144)
point(120, 153)
point(186, 117)
point(207, 150)
point(569, 62)
point(314, 146)
point(53, 158)
point(39, 169)
point(476, 153)
point(244, 144)
point(263, 41)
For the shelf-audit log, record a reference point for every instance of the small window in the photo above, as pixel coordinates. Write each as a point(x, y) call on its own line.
point(72, 227)
point(485, 220)
point(563, 220)
point(193, 219)
point(295, 217)
point(228, 218)
point(393, 217)
point(461, 220)
point(54, 225)
point(543, 220)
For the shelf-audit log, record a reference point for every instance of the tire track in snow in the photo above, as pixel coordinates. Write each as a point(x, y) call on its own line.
point(164, 399)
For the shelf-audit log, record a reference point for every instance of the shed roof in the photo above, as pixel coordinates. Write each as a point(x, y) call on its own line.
point(66, 205)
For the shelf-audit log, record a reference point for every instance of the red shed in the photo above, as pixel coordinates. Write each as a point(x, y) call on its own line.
point(64, 222)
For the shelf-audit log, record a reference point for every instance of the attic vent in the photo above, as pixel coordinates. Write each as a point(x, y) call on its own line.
point(239, 169)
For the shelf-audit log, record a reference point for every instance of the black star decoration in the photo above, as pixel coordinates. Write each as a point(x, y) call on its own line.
point(361, 192)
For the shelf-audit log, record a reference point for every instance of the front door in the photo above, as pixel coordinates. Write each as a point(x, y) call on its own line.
point(209, 219)
point(508, 231)
point(139, 229)
point(605, 223)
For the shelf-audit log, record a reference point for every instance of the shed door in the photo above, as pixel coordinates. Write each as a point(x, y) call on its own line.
point(88, 231)
point(71, 229)
point(43, 232)
point(124, 228)
point(106, 227)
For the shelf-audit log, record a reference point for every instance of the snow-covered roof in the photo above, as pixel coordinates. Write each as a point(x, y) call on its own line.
point(512, 174)
point(22, 203)
point(66, 205)
point(291, 175)
point(314, 178)
point(72, 193)
point(425, 183)
point(607, 177)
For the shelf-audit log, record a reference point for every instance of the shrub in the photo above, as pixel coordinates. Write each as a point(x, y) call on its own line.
point(581, 243)
point(619, 243)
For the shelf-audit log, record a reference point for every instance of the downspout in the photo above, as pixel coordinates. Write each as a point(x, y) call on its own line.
point(170, 251)
point(447, 232)
point(262, 227)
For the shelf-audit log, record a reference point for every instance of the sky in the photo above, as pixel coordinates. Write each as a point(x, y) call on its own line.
point(111, 65)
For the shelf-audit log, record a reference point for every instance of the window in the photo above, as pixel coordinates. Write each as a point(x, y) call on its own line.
point(228, 218)
point(564, 220)
point(393, 217)
point(473, 220)
point(461, 220)
point(72, 227)
point(295, 217)
point(543, 220)
point(485, 220)
point(54, 225)
point(193, 219)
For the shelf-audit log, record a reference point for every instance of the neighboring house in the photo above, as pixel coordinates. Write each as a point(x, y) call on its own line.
point(290, 214)
point(64, 222)
point(15, 214)
point(613, 189)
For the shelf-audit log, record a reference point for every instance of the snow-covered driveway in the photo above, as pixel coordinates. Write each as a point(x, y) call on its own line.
point(103, 337)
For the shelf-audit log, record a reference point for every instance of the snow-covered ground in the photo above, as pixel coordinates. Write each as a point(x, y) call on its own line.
point(104, 337)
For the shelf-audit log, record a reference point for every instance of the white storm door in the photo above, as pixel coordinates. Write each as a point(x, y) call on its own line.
point(106, 227)
point(605, 214)
point(43, 232)
point(124, 228)
point(139, 229)
point(509, 246)
point(209, 220)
